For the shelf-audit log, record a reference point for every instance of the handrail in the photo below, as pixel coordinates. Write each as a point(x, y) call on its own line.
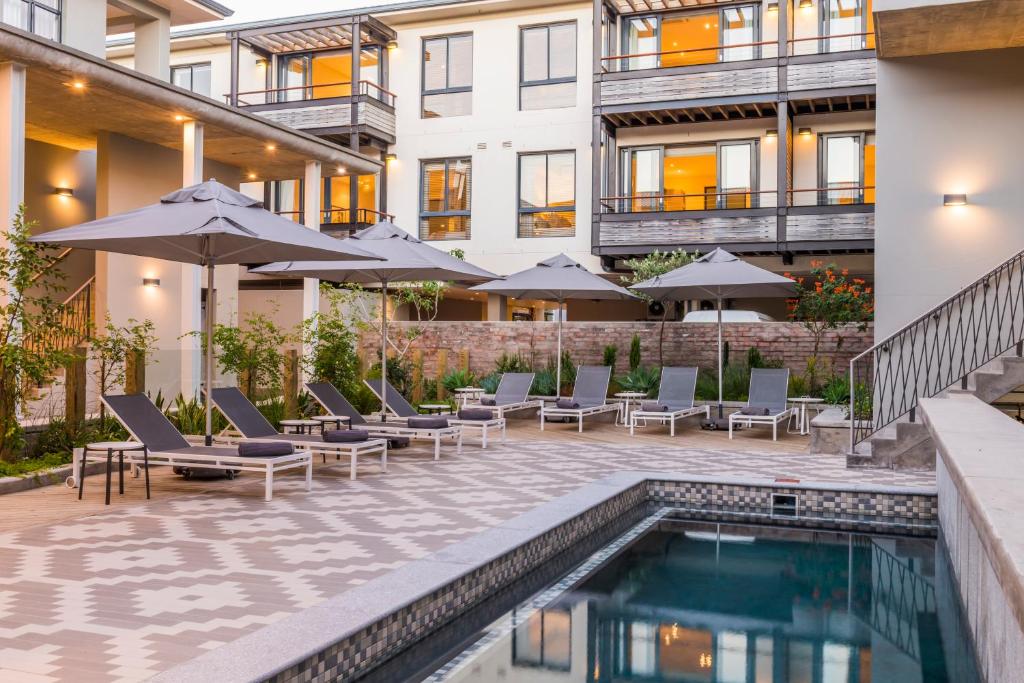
point(832, 189)
point(76, 320)
point(831, 36)
point(57, 259)
point(692, 49)
point(613, 204)
point(364, 87)
point(326, 214)
point(943, 346)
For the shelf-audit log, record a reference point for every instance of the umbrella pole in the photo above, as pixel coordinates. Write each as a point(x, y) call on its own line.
point(209, 353)
point(384, 351)
point(720, 411)
point(558, 360)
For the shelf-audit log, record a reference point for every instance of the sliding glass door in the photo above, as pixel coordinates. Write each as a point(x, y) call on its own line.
point(701, 37)
point(847, 163)
point(698, 177)
point(846, 25)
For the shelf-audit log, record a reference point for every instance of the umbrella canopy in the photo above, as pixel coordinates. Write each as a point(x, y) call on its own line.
point(718, 275)
point(205, 224)
point(407, 259)
point(556, 279)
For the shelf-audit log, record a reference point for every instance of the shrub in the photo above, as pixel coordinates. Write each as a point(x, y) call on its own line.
point(735, 384)
point(512, 362)
point(189, 415)
point(59, 437)
point(489, 383)
point(568, 371)
point(24, 466)
point(634, 352)
point(837, 390)
point(609, 356)
point(399, 374)
point(332, 344)
point(544, 382)
point(458, 378)
point(641, 379)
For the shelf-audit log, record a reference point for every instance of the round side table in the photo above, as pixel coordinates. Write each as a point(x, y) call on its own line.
point(299, 426)
point(111, 447)
point(336, 420)
point(803, 416)
point(627, 397)
point(435, 408)
point(467, 394)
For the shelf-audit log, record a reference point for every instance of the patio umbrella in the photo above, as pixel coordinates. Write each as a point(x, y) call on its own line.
point(206, 224)
point(407, 259)
point(556, 279)
point(718, 275)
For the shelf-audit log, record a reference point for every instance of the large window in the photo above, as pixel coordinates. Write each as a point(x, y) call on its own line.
point(697, 177)
point(447, 76)
point(194, 77)
point(547, 194)
point(547, 66)
point(445, 186)
point(702, 37)
point(287, 199)
point(320, 75)
point(850, 22)
point(847, 163)
point(41, 17)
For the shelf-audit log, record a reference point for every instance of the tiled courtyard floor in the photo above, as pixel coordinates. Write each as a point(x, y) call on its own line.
point(91, 593)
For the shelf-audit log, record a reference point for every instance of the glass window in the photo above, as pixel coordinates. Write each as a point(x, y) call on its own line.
point(314, 76)
point(544, 640)
point(690, 177)
point(447, 76)
point(41, 17)
point(844, 160)
point(547, 194)
point(336, 200)
point(194, 77)
point(641, 40)
point(287, 199)
point(850, 21)
point(701, 37)
point(292, 77)
point(547, 66)
point(736, 175)
point(445, 188)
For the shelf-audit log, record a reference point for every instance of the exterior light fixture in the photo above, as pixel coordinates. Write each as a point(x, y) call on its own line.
point(805, 132)
point(252, 176)
point(390, 156)
point(772, 134)
point(954, 200)
point(392, 44)
point(773, 6)
point(179, 118)
point(263, 62)
point(150, 282)
point(341, 170)
point(64, 192)
point(271, 147)
point(77, 85)
point(806, 4)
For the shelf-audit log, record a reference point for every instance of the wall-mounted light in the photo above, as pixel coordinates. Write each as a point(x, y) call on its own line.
point(772, 134)
point(392, 44)
point(806, 4)
point(150, 282)
point(804, 132)
point(64, 192)
point(271, 147)
point(263, 62)
point(773, 6)
point(341, 170)
point(954, 200)
point(77, 85)
point(390, 156)
point(252, 176)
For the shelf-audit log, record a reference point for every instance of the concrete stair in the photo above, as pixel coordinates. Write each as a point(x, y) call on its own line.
point(906, 445)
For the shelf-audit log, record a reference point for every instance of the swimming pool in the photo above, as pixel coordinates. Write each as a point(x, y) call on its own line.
point(684, 600)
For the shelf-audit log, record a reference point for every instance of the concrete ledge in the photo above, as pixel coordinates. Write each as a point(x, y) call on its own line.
point(46, 477)
point(980, 476)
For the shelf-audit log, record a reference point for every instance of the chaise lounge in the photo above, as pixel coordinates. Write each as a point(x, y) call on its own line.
point(589, 396)
point(674, 402)
point(767, 401)
point(166, 445)
point(512, 394)
point(403, 411)
point(250, 423)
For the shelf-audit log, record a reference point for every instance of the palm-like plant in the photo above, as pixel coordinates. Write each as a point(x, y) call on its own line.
point(641, 379)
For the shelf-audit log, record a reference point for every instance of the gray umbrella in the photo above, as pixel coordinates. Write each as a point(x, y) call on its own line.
point(407, 259)
point(206, 224)
point(556, 279)
point(718, 275)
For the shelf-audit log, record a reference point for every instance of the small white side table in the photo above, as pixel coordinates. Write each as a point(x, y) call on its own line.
point(467, 394)
point(802, 402)
point(627, 397)
point(300, 426)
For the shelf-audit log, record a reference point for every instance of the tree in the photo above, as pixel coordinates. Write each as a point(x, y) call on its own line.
point(828, 300)
point(332, 345)
point(652, 265)
point(252, 351)
point(114, 347)
point(33, 326)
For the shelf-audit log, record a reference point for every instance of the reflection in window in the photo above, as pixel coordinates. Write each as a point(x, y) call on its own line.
point(194, 77)
point(41, 17)
point(848, 168)
point(445, 186)
point(547, 194)
point(731, 657)
point(547, 66)
point(685, 653)
point(544, 640)
point(702, 37)
point(336, 199)
point(447, 76)
point(849, 21)
point(320, 75)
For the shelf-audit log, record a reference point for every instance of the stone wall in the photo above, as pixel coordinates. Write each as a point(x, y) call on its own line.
point(482, 343)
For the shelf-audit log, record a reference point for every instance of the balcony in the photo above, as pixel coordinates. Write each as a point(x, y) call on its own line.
point(843, 215)
point(840, 61)
point(340, 222)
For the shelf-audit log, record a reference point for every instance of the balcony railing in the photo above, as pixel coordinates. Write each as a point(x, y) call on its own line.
point(305, 93)
point(341, 216)
point(699, 201)
point(707, 55)
point(846, 195)
point(76, 321)
point(839, 42)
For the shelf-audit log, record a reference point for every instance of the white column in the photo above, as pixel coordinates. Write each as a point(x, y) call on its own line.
point(311, 186)
point(84, 26)
point(12, 141)
point(191, 276)
point(153, 46)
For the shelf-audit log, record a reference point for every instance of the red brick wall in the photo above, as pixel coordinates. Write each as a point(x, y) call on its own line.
point(685, 343)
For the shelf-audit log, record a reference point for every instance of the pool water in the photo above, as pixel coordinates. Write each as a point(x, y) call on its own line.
point(697, 601)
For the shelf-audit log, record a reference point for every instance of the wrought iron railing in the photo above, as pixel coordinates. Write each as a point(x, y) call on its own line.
point(693, 201)
point(304, 93)
point(75, 324)
point(341, 216)
point(937, 350)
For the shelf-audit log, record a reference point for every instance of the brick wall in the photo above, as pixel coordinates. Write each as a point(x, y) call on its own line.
point(685, 343)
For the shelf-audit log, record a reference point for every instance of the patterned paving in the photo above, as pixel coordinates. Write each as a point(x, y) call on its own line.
point(131, 591)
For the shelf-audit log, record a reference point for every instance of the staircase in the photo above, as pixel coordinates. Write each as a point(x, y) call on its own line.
point(973, 342)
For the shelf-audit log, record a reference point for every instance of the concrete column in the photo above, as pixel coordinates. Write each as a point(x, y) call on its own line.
point(12, 144)
point(497, 307)
point(311, 188)
point(84, 26)
point(153, 46)
point(191, 276)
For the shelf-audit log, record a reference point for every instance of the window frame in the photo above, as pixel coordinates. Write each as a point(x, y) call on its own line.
point(191, 66)
point(658, 18)
point(423, 213)
point(57, 12)
point(546, 81)
point(862, 135)
point(448, 89)
point(547, 208)
point(825, 27)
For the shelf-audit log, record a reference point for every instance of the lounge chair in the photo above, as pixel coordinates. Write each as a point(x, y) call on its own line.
point(167, 446)
point(512, 394)
point(767, 402)
point(327, 395)
point(674, 402)
point(250, 423)
point(589, 396)
point(403, 411)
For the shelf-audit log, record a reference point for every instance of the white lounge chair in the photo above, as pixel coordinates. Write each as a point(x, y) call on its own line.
point(167, 446)
point(589, 396)
point(512, 394)
point(674, 402)
point(767, 401)
point(250, 423)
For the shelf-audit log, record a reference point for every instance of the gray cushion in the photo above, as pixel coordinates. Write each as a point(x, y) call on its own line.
point(264, 449)
point(427, 422)
point(346, 435)
point(567, 403)
point(475, 414)
point(488, 401)
point(753, 410)
point(653, 407)
point(398, 441)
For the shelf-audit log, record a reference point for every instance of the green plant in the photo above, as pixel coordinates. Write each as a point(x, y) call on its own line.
point(512, 362)
point(756, 360)
point(735, 384)
point(34, 328)
point(273, 410)
point(332, 346)
point(641, 379)
point(634, 352)
point(424, 297)
point(836, 391)
point(399, 374)
point(797, 385)
point(253, 352)
point(609, 356)
point(189, 416)
point(544, 382)
point(430, 390)
point(59, 437)
point(568, 371)
point(458, 378)
point(489, 383)
point(364, 400)
point(652, 265)
point(114, 347)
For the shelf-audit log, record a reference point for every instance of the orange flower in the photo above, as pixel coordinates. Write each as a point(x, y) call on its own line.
point(858, 281)
point(845, 271)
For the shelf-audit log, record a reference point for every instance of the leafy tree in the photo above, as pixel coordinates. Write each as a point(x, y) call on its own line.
point(425, 297)
point(331, 344)
point(634, 352)
point(827, 300)
point(253, 352)
point(33, 326)
point(652, 265)
point(112, 350)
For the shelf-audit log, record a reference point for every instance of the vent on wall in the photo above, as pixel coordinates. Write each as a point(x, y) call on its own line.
point(507, 144)
point(481, 145)
point(784, 505)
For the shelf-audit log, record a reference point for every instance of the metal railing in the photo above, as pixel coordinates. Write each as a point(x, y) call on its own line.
point(838, 42)
point(339, 216)
point(937, 350)
point(712, 54)
point(319, 91)
point(694, 201)
point(76, 320)
point(838, 195)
